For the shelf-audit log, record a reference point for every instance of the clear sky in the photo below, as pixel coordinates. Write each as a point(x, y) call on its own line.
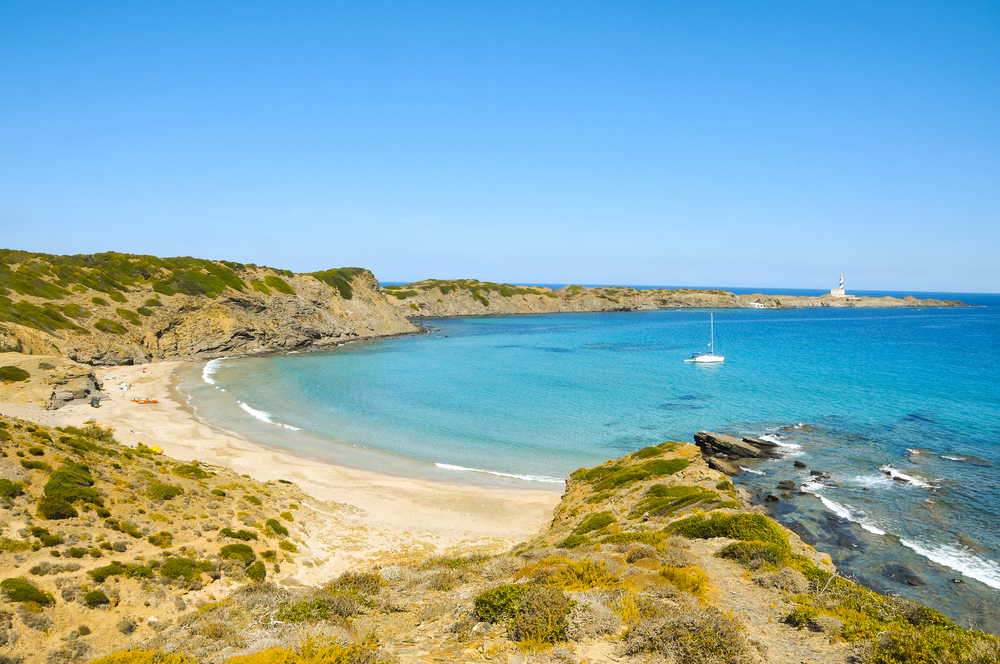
point(681, 143)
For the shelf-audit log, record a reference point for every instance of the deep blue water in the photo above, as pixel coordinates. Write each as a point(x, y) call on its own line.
point(855, 392)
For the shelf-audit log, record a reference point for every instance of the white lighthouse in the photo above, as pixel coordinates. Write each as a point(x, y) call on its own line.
point(839, 292)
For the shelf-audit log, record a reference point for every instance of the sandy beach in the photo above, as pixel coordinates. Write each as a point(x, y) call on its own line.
point(370, 518)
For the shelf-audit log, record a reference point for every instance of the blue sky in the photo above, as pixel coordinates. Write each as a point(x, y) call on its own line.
point(739, 144)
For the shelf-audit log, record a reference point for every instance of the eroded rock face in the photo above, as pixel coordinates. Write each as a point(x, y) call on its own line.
point(54, 381)
point(235, 322)
point(719, 443)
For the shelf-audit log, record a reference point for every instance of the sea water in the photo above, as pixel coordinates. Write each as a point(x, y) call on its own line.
point(900, 406)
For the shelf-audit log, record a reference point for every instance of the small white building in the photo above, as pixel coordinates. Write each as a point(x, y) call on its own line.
point(757, 305)
point(839, 292)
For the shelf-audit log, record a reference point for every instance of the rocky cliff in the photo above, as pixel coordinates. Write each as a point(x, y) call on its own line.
point(123, 309)
point(468, 297)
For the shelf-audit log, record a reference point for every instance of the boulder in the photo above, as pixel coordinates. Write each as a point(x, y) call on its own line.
point(786, 485)
point(759, 442)
point(799, 464)
point(719, 443)
point(724, 467)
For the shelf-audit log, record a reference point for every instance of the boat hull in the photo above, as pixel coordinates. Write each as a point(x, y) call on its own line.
point(707, 359)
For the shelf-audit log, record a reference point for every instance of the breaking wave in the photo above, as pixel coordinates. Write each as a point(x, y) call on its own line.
point(959, 559)
point(265, 417)
point(530, 478)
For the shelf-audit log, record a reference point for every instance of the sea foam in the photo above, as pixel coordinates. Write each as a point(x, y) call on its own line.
point(530, 478)
point(210, 368)
point(959, 559)
point(265, 417)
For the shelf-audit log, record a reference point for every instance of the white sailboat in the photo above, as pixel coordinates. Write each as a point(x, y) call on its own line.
point(710, 356)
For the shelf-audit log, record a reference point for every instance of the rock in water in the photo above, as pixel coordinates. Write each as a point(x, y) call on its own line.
point(759, 442)
point(716, 443)
point(786, 485)
point(799, 464)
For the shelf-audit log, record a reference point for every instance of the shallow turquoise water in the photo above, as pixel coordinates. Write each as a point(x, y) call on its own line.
point(911, 392)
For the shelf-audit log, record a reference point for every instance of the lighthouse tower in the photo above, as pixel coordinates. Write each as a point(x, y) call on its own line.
point(839, 292)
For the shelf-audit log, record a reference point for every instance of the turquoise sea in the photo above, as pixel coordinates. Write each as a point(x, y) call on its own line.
point(900, 406)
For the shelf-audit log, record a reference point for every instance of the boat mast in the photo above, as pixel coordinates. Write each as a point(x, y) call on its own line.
point(713, 332)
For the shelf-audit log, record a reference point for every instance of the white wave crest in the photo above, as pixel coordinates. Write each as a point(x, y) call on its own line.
point(265, 417)
point(777, 441)
point(959, 559)
point(210, 368)
point(893, 473)
point(850, 514)
point(530, 478)
point(752, 471)
point(953, 458)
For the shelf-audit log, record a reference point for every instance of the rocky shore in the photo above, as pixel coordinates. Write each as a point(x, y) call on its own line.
point(468, 297)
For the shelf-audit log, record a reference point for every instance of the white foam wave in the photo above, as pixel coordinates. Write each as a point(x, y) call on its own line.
point(752, 471)
point(850, 514)
point(530, 478)
point(912, 451)
point(959, 559)
point(777, 440)
point(953, 458)
point(264, 417)
point(210, 368)
point(893, 473)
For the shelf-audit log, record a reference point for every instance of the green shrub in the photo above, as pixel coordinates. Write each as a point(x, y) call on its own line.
point(162, 539)
point(629, 475)
point(117, 297)
point(44, 536)
point(661, 500)
point(241, 534)
point(481, 299)
point(754, 555)
point(190, 472)
point(33, 464)
point(724, 485)
point(279, 284)
point(129, 571)
point(95, 598)
point(76, 311)
point(73, 482)
point(76, 552)
point(184, 568)
point(259, 286)
point(240, 552)
point(163, 491)
point(287, 516)
point(110, 326)
point(533, 614)
point(594, 521)
point(256, 571)
point(499, 605)
point(340, 279)
point(402, 295)
point(11, 374)
point(144, 311)
point(582, 575)
point(218, 492)
point(153, 302)
point(10, 489)
point(285, 545)
point(36, 451)
point(745, 527)
point(276, 526)
point(7, 544)
point(19, 590)
point(655, 451)
point(573, 541)
point(99, 301)
point(130, 316)
point(630, 538)
point(366, 583)
point(123, 527)
point(253, 499)
point(55, 509)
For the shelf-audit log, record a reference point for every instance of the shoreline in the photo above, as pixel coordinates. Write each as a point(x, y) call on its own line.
point(378, 518)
